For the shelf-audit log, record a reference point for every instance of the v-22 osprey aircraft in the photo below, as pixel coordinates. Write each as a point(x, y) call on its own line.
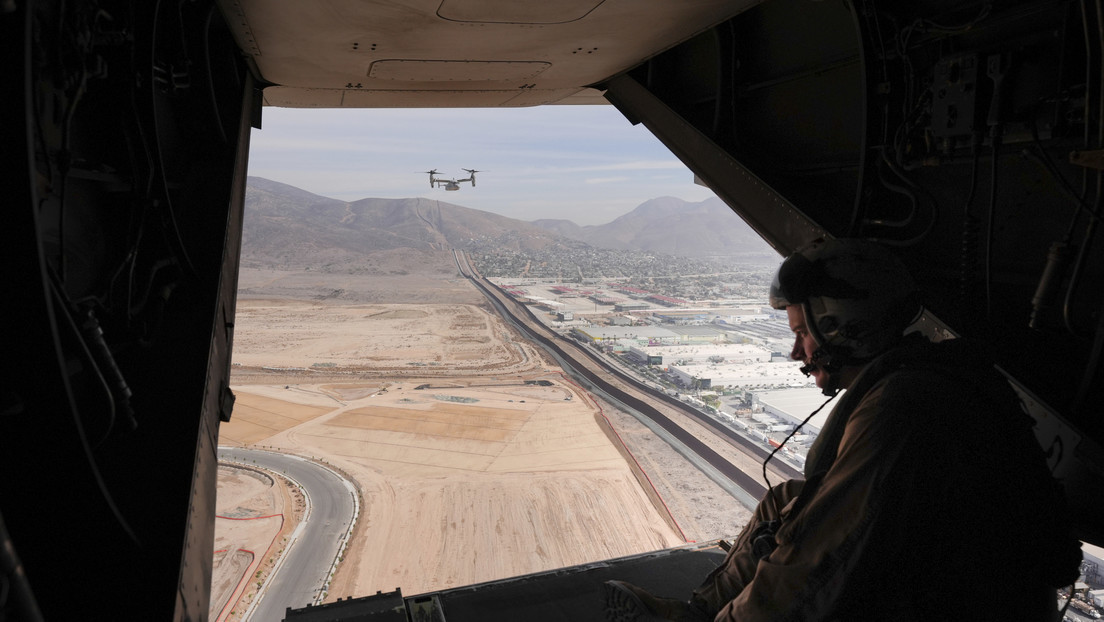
point(451, 184)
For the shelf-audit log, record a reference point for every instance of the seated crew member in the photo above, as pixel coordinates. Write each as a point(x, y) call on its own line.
point(926, 494)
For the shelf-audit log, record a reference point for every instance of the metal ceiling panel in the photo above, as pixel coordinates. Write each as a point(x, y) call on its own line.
point(514, 12)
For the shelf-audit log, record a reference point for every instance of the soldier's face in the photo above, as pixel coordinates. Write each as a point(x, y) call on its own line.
point(804, 344)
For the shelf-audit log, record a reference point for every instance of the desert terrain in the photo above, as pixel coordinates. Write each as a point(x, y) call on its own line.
point(476, 458)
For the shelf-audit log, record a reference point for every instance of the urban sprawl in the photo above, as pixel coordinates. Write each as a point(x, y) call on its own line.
point(709, 339)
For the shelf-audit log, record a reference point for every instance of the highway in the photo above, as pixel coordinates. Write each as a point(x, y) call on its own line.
point(304, 570)
point(742, 468)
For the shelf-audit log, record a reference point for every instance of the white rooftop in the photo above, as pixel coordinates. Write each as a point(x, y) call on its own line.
point(1093, 550)
point(797, 403)
point(702, 352)
point(628, 332)
point(745, 374)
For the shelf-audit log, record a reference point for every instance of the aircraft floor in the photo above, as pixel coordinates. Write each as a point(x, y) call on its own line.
point(573, 593)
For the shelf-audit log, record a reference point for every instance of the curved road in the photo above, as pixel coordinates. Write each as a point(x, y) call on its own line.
point(302, 573)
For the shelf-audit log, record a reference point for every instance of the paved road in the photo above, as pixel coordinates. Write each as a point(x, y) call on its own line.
point(316, 542)
point(728, 485)
point(739, 474)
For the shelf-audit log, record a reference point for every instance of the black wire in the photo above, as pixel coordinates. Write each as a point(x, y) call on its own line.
point(210, 72)
point(160, 168)
point(1048, 165)
point(989, 226)
point(968, 257)
point(65, 162)
point(933, 26)
point(911, 187)
point(1088, 93)
point(59, 299)
point(1042, 156)
point(976, 140)
point(900, 224)
point(770, 489)
point(1098, 203)
point(1082, 255)
point(86, 354)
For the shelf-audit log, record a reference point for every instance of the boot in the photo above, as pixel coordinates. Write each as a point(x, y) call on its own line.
point(626, 602)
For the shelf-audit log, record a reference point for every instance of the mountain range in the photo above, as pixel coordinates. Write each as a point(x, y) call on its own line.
point(286, 227)
point(670, 226)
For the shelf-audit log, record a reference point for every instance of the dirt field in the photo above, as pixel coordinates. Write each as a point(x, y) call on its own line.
point(475, 457)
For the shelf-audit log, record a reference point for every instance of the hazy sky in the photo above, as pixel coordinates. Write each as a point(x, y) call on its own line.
point(583, 163)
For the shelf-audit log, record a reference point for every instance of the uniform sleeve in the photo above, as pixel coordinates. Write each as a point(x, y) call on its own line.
point(738, 569)
point(819, 547)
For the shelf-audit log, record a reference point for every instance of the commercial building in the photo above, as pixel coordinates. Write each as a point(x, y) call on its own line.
point(698, 334)
point(642, 335)
point(604, 300)
point(794, 405)
point(682, 317)
point(666, 301)
point(645, 357)
point(1092, 565)
point(742, 375)
point(631, 292)
point(715, 353)
point(550, 305)
point(690, 377)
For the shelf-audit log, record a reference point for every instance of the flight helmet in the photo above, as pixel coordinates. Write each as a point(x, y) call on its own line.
point(857, 297)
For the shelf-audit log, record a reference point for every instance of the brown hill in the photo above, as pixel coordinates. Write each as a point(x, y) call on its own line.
point(287, 228)
point(671, 226)
point(290, 229)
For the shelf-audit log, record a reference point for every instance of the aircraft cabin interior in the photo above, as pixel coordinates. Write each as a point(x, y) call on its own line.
point(967, 136)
